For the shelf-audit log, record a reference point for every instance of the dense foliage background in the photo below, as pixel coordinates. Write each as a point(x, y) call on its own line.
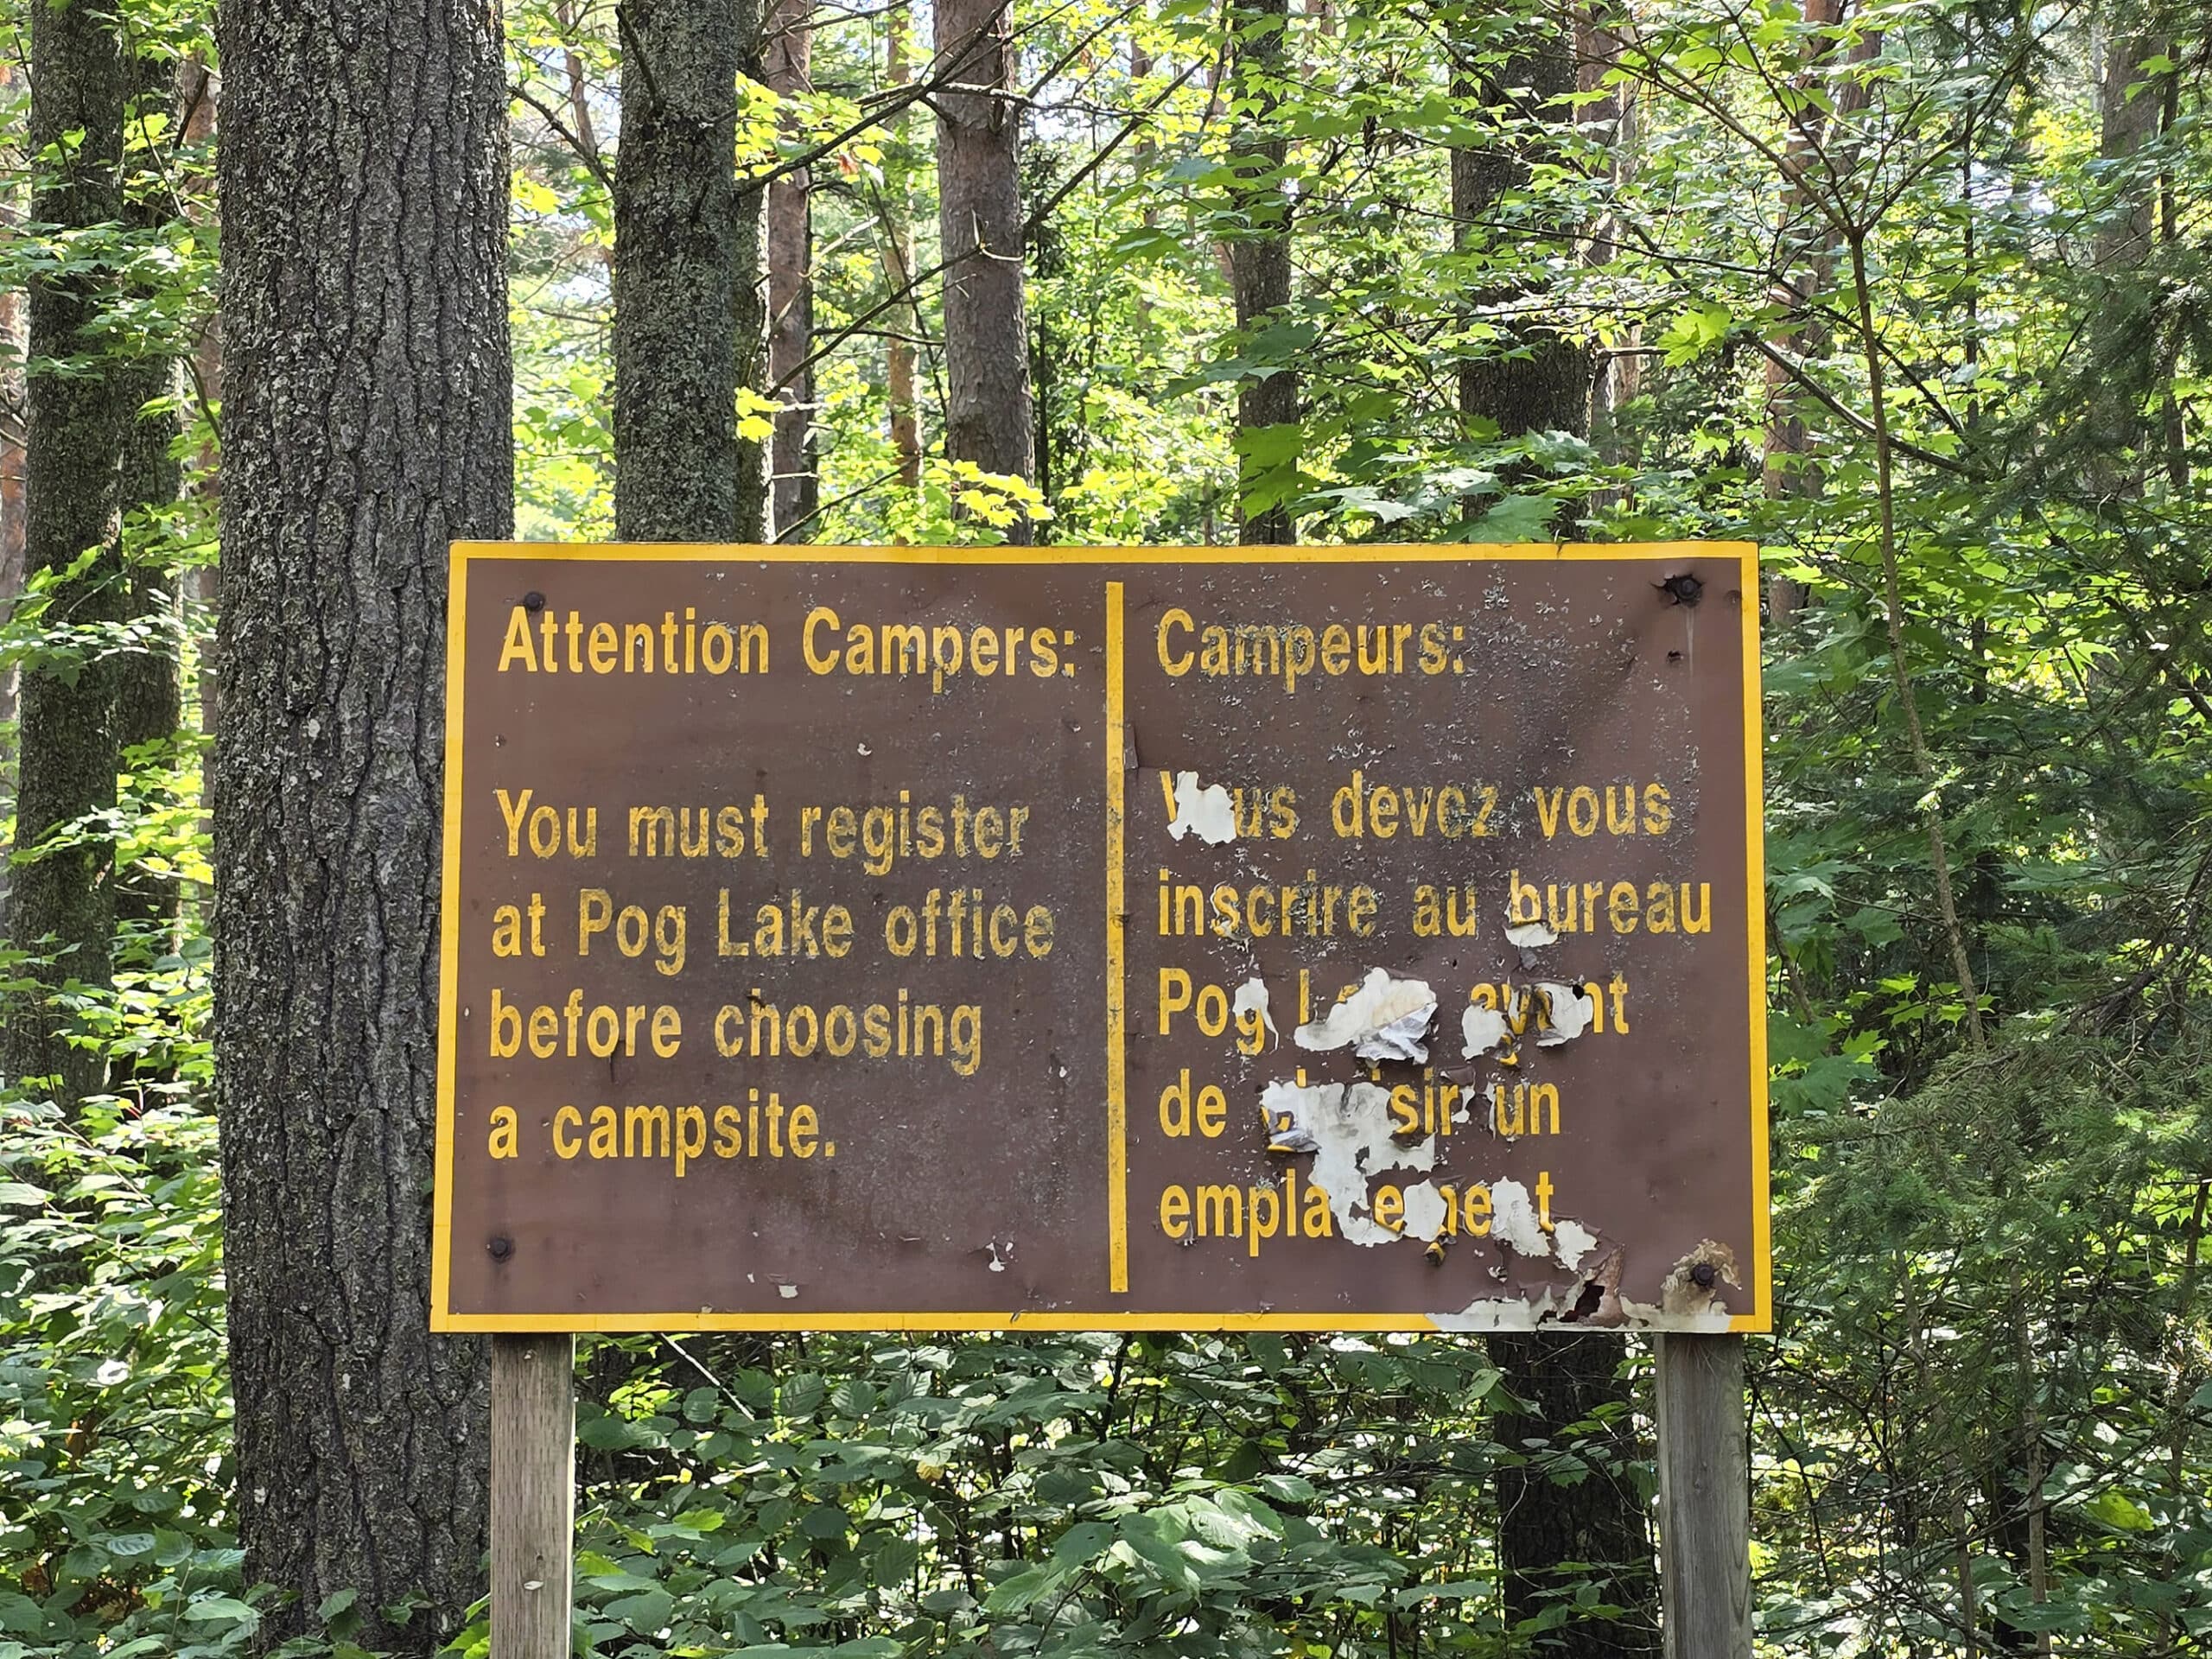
point(1912, 292)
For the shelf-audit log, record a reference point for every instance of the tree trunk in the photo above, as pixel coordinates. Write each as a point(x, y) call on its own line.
point(14, 416)
point(1259, 262)
point(2127, 125)
point(1820, 150)
point(1609, 106)
point(364, 177)
point(676, 460)
point(64, 901)
point(149, 695)
point(202, 99)
point(906, 323)
point(14, 411)
point(791, 287)
point(2133, 369)
point(1552, 1538)
point(1544, 385)
point(989, 416)
point(748, 297)
point(1542, 1526)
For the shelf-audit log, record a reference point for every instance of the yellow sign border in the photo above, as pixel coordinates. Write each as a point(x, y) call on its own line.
point(444, 1319)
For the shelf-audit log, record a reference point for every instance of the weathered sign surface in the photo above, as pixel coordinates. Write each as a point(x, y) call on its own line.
point(1312, 937)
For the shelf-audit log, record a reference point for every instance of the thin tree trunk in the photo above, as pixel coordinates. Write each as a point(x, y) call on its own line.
point(989, 413)
point(1259, 264)
point(572, 65)
point(1804, 268)
point(1609, 105)
point(676, 461)
point(14, 419)
point(64, 900)
point(1144, 153)
point(13, 412)
point(149, 694)
point(364, 176)
point(202, 103)
point(748, 306)
point(1923, 761)
point(904, 324)
point(790, 57)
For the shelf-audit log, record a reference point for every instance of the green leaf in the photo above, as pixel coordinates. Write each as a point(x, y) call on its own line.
point(1692, 332)
point(646, 1613)
point(1517, 518)
point(2118, 1511)
point(1083, 1543)
point(21, 1614)
point(228, 1607)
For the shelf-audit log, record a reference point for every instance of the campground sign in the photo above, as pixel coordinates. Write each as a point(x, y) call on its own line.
point(1352, 938)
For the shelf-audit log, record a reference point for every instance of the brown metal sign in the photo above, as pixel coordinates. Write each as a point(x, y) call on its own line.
point(1355, 937)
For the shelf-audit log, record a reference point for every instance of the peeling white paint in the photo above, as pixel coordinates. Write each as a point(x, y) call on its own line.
point(1567, 1014)
point(1651, 1316)
point(1530, 936)
point(1480, 1031)
point(1207, 813)
point(1500, 1314)
point(1574, 1240)
point(1347, 1127)
point(1426, 1211)
point(787, 1292)
point(1685, 1306)
point(1385, 1018)
point(1253, 994)
point(1513, 1221)
point(1286, 1108)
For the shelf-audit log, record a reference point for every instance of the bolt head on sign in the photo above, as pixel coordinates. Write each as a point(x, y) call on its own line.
point(1298, 938)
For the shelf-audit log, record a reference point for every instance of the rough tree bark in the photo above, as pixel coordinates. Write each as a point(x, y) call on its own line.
point(1259, 256)
point(2133, 100)
point(989, 417)
point(2131, 113)
point(364, 179)
point(789, 53)
point(1543, 385)
point(81, 81)
point(1553, 1537)
point(676, 233)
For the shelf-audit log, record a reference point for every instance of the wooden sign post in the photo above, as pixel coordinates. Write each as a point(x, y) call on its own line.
point(533, 1497)
point(1318, 939)
point(1705, 1582)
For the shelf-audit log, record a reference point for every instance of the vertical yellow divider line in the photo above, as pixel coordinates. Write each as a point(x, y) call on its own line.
point(1118, 1075)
